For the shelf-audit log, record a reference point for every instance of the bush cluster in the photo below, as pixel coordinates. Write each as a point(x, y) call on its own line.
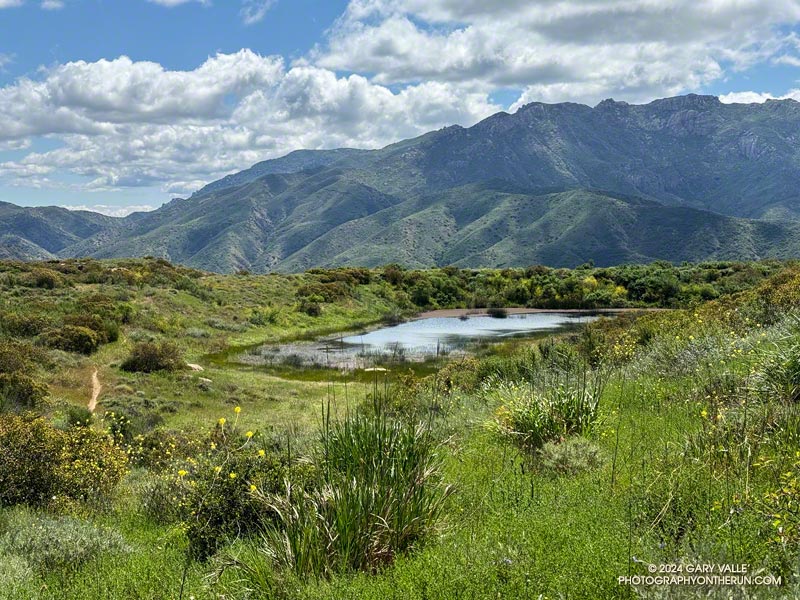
point(40, 464)
point(18, 389)
point(148, 357)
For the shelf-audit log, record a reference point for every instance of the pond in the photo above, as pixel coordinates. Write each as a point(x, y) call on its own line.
point(415, 340)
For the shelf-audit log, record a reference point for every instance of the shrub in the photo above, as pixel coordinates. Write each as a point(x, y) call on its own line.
point(497, 313)
point(18, 356)
point(72, 338)
point(22, 325)
point(220, 503)
point(107, 330)
point(310, 307)
point(78, 416)
point(164, 499)
point(58, 542)
point(148, 357)
point(45, 278)
point(264, 316)
point(20, 392)
point(39, 463)
point(778, 374)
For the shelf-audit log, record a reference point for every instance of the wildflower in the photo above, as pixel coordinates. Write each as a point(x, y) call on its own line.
point(221, 421)
point(704, 413)
point(232, 475)
point(252, 488)
point(261, 453)
point(182, 473)
point(237, 410)
point(217, 469)
point(213, 446)
point(249, 434)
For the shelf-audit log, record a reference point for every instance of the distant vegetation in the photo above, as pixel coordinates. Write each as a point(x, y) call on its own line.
point(527, 468)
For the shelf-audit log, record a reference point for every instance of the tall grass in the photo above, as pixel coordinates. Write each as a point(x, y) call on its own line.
point(560, 398)
point(379, 495)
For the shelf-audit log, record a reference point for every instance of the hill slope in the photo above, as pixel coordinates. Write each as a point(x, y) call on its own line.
point(684, 178)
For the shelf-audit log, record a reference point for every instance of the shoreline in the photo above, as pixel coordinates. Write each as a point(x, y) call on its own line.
point(483, 312)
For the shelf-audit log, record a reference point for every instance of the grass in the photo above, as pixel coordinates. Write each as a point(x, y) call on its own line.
point(685, 453)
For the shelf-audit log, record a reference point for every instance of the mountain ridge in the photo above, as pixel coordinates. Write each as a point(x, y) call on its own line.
point(549, 183)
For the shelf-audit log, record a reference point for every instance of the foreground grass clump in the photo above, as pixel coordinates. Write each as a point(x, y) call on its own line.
point(378, 494)
point(558, 398)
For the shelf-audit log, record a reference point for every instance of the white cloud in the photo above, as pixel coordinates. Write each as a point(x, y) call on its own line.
point(52, 4)
point(112, 211)
point(411, 66)
point(254, 11)
point(122, 123)
point(580, 50)
point(757, 97)
point(10, 3)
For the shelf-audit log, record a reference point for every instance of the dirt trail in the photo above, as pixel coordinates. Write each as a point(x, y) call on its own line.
point(96, 389)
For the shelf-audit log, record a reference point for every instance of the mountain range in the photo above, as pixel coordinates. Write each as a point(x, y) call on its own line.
point(683, 178)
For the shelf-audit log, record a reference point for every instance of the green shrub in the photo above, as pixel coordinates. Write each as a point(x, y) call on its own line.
point(497, 312)
point(22, 325)
point(72, 338)
point(310, 307)
point(107, 330)
point(20, 392)
point(148, 357)
point(778, 374)
point(40, 464)
point(78, 416)
point(50, 543)
point(164, 500)
point(18, 356)
point(220, 504)
point(45, 278)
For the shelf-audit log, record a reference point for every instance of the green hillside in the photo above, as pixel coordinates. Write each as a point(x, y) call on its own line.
point(685, 178)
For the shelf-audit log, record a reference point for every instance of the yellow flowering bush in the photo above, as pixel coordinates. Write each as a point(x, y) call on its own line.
point(40, 464)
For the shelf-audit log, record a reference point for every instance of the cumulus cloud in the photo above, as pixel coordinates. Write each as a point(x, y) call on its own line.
point(386, 70)
point(123, 123)
point(757, 97)
point(559, 49)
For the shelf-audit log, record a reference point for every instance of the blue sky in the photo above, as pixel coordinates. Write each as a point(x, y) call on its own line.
point(117, 105)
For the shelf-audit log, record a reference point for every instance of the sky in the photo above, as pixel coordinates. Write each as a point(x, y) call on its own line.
point(122, 105)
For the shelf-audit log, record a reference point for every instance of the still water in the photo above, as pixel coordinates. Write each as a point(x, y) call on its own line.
point(448, 333)
point(414, 340)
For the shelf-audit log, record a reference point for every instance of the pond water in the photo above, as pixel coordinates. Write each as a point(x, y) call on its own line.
point(413, 340)
point(449, 333)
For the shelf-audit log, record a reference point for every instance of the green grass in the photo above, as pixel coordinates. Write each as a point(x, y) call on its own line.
point(689, 456)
